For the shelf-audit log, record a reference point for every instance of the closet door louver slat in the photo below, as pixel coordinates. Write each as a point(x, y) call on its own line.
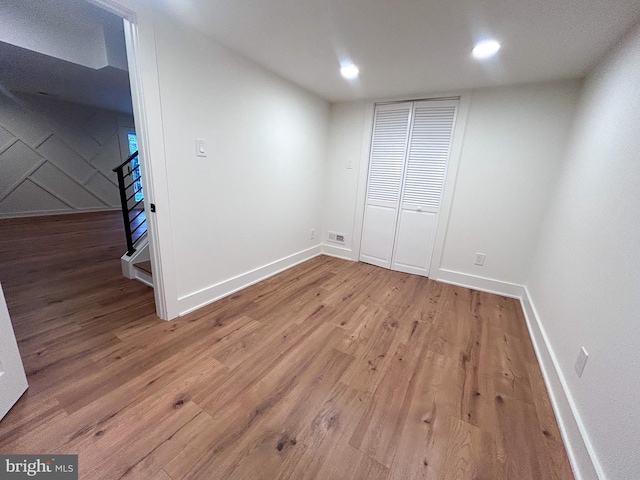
point(428, 155)
point(388, 151)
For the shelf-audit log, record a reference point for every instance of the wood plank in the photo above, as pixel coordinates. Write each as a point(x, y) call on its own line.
point(331, 369)
point(422, 444)
point(380, 427)
point(325, 438)
point(470, 453)
point(272, 437)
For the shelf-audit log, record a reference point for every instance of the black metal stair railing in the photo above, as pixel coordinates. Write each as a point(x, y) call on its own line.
point(132, 200)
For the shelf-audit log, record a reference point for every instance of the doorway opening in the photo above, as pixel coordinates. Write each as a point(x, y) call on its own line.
point(65, 96)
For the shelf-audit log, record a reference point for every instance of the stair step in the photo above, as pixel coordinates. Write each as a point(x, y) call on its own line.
point(144, 266)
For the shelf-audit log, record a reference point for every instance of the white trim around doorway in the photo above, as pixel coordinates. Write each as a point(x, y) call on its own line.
point(147, 112)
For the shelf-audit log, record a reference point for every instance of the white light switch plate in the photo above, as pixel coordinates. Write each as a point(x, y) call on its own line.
point(201, 147)
point(581, 361)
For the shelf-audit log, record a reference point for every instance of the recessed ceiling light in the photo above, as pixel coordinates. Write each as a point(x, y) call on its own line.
point(349, 71)
point(485, 49)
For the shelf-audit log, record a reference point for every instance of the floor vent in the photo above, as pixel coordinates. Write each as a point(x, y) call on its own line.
point(336, 237)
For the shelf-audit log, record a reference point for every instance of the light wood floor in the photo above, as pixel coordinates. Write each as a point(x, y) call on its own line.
point(330, 370)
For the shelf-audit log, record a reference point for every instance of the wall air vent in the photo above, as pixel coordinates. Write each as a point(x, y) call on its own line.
point(336, 237)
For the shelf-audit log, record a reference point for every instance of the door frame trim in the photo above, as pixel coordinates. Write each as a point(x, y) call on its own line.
point(451, 177)
point(147, 111)
point(464, 98)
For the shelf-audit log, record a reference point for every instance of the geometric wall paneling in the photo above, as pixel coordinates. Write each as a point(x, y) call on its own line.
point(59, 152)
point(79, 114)
point(62, 186)
point(60, 124)
point(77, 140)
point(21, 122)
point(5, 139)
point(16, 163)
point(103, 161)
point(102, 126)
point(66, 159)
point(31, 198)
point(102, 187)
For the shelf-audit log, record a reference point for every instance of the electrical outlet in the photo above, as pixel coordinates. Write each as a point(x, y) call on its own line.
point(480, 259)
point(349, 162)
point(313, 233)
point(581, 361)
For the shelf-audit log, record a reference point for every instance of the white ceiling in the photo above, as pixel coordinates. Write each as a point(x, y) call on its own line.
point(23, 70)
point(402, 47)
point(412, 46)
point(43, 67)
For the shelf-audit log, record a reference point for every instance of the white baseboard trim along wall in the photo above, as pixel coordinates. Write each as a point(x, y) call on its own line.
point(195, 300)
point(48, 213)
point(337, 252)
point(483, 284)
point(581, 455)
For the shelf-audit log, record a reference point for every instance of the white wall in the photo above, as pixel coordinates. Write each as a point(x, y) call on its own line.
point(347, 129)
point(513, 146)
point(512, 149)
point(256, 197)
point(56, 157)
point(585, 277)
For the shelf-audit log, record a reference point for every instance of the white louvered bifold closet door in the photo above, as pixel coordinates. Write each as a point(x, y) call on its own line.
point(413, 181)
point(384, 187)
point(429, 150)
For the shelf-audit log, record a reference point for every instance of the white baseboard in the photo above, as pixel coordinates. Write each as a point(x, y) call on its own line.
point(581, 454)
point(47, 213)
point(196, 300)
point(338, 252)
point(475, 282)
